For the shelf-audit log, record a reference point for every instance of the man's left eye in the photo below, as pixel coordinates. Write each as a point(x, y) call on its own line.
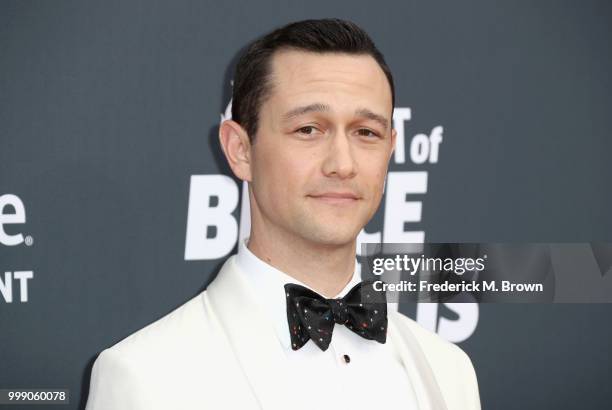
point(367, 133)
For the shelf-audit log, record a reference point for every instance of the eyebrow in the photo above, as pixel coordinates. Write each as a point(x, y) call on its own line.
point(318, 107)
point(364, 112)
point(296, 112)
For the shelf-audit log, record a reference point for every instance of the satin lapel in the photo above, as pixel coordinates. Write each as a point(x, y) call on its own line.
point(253, 338)
point(415, 362)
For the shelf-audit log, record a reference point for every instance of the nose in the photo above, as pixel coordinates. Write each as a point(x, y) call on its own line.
point(340, 161)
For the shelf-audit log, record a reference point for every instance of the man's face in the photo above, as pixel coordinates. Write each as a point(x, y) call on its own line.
point(325, 130)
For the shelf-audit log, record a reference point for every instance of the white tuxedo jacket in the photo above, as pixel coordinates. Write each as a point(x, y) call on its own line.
point(218, 351)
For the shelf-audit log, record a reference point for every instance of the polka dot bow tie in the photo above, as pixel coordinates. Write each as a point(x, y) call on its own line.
point(311, 316)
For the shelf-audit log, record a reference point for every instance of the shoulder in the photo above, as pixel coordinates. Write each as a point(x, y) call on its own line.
point(159, 361)
point(169, 332)
point(179, 341)
point(191, 329)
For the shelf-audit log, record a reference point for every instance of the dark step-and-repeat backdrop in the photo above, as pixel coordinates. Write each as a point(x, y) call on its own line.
point(117, 205)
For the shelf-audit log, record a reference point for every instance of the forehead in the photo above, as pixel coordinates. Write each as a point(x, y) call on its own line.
point(337, 79)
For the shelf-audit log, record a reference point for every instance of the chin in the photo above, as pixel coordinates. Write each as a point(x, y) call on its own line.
point(327, 229)
point(333, 237)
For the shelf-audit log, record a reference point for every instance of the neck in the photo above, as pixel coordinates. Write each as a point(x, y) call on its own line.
point(324, 268)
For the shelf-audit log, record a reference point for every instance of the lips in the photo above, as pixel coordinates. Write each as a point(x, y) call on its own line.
point(337, 198)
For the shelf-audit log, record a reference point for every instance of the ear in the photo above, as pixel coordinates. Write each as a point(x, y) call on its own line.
point(393, 137)
point(237, 148)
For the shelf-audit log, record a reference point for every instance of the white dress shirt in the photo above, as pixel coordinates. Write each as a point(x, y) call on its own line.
point(373, 378)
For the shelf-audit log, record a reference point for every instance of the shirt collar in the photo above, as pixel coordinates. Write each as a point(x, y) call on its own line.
point(268, 283)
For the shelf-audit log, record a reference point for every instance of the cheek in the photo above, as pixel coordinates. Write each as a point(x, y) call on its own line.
point(374, 173)
point(280, 177)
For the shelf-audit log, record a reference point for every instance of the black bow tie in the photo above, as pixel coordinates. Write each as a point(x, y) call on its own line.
point(311, 316)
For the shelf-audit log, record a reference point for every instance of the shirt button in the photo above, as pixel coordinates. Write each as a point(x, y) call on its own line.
point(347, 358)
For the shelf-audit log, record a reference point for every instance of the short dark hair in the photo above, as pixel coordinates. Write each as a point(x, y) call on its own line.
point(252, 77)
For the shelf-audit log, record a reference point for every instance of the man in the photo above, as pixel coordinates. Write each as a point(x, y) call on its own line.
point(311, 133)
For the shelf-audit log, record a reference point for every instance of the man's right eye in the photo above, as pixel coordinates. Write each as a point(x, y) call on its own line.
point(306, 130)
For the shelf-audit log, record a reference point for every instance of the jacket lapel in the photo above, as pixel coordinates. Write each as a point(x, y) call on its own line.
point(252, 338)
point(426, 388)
point(259, 352)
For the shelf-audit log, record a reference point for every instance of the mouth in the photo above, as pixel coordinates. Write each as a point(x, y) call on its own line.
point(336, 198)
